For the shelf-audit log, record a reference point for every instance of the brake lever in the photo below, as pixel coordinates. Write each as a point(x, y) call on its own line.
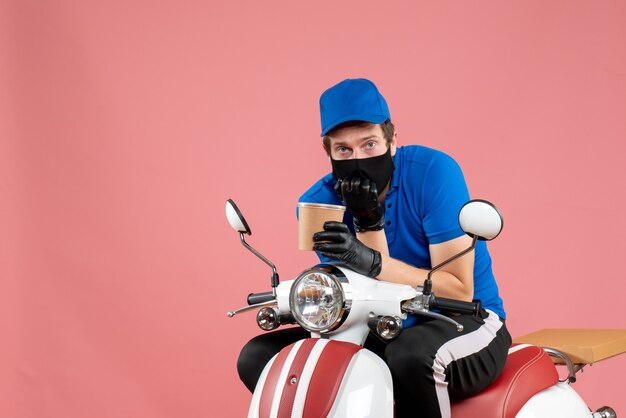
point(250, 307)
point(416, 306)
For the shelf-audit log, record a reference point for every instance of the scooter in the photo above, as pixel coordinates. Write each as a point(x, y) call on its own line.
point(332, 375)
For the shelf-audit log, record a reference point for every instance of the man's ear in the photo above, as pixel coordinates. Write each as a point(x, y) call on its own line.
point(325, 151)
point(394, 143)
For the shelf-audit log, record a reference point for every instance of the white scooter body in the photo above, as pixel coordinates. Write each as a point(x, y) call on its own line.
point(560, 400)
point(365, 389)
point(331, 375)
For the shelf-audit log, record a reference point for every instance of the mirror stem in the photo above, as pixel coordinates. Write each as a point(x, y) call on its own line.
point(275, 280)
point(428, 284)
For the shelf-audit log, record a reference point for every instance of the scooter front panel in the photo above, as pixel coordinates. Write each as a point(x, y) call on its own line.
point(253, 411)
point(302, 380)
point(366, 389)
point(329, 373)
point(295, 380)
point(269, 391)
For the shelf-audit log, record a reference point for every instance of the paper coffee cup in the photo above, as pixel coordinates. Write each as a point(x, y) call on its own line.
point(311, 218)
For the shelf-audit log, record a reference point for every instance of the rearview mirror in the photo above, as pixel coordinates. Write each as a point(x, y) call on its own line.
point(481, 219)
point(236, 219)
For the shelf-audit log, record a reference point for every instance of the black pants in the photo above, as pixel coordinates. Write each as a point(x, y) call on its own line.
point(431, 363)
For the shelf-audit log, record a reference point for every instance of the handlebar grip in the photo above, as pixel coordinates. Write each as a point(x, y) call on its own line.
point(254, 298)
point(456, 306)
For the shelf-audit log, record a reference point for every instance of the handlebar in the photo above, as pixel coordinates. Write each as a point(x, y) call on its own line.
point(254, 298)
point(455, 306)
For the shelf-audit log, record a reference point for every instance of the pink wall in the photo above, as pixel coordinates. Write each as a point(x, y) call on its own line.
point(125, 126)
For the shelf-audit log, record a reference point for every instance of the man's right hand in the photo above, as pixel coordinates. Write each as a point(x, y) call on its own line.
point(337, 242)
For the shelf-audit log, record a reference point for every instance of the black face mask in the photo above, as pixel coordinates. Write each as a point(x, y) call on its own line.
point(377, 169)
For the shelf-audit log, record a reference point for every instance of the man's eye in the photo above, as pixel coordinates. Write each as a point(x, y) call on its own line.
point(342, 149)
point(370, 144)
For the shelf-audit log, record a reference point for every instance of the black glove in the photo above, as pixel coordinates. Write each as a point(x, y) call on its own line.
point(360, 196)
point(344, 247)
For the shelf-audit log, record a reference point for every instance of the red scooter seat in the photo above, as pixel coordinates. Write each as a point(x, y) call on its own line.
point(528, 370)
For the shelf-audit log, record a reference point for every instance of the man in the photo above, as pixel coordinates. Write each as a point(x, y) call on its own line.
point(401, 219)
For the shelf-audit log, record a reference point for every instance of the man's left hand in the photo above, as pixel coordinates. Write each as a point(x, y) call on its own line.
point(360, 196)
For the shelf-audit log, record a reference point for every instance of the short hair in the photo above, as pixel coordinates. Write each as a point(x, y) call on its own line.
point(386, 126)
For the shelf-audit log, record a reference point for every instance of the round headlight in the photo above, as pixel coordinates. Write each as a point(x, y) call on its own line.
point(317, 301)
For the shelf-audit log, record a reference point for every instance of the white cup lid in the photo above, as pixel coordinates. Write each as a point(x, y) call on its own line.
point(321, 206)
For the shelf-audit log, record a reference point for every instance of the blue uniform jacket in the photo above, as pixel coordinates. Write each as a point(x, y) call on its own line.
point(422, 206)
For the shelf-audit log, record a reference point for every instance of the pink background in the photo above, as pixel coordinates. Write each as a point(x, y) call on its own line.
point(125, 126)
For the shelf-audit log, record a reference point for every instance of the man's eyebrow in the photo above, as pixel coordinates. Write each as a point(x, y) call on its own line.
point(367, 138)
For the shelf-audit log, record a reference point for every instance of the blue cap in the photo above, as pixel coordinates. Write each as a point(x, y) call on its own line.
point(355, 99)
